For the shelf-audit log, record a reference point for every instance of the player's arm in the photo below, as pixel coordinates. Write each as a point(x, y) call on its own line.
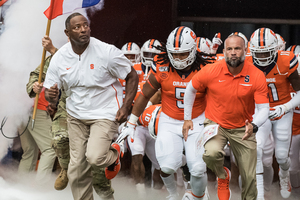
point(294, 79)
point(149, 89)
point(131, 87)
point(155, 99)
point(280, 110)
point(189, 98)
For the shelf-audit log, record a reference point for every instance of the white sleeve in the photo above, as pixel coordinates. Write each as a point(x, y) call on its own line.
point(262, 114)
point(189, 98)
point(119, 65)
point(52, 75)
point(294, 102)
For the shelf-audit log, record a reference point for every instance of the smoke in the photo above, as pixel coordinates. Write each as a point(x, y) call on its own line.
point(20, 53)
point(26, 190)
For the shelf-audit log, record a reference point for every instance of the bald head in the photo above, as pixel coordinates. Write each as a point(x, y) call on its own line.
point(236, 39)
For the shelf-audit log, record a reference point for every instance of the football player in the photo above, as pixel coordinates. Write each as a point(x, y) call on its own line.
point(132, 51)
point(144, 144)
point(280, 69)
point(174, 68)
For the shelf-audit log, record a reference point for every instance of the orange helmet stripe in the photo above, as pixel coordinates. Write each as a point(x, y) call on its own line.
point(129, 46)
point(151, 43)
point(177, 37)
point(293, 48)
point(262, 37)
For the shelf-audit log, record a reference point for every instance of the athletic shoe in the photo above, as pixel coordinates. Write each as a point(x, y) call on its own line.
point(223, 186)
point(189, 196)
point(285, 185)
point(112, 170)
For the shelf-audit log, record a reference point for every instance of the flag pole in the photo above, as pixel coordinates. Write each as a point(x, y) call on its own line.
point(41, 72)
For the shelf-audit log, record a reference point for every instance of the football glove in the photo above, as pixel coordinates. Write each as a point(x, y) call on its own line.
point(217, 40)
point(128, 130)
point(277, 112)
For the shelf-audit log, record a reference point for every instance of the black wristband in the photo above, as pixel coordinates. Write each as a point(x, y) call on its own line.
point(255, 128)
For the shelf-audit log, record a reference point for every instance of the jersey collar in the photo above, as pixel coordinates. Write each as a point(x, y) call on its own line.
point(267, 69)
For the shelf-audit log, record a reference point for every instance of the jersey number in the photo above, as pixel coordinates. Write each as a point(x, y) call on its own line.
point(273, 91)
point(179, 94)
point(148, 117)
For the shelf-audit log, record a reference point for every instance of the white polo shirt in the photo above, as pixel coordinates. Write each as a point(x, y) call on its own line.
point(90, 80)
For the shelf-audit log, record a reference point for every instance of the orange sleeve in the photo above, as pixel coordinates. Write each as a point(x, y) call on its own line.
point(293, 64)
point(199, 80)
point(261, 93)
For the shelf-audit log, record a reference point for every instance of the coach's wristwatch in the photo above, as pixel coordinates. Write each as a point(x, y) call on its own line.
point(255, 128)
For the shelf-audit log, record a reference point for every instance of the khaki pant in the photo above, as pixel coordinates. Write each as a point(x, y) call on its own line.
point(34, 140)
point(90, 147)
point(244, 153)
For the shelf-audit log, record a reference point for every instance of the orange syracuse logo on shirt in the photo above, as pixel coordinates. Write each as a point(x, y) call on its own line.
point(92, 66)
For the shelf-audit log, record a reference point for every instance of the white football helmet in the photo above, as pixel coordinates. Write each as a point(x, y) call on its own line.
point(294, 48)
point(181, 40)
point(203, 45)
point(263, 46)
point(241, 35)
point(153, 124)
point(132, 51)
point(148, 51)
point(281, 42)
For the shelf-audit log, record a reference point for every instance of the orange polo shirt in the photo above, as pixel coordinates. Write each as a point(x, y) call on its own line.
point(231, 100)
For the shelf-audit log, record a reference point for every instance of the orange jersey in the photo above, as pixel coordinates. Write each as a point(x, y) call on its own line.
point(146, 116)
point(296, 116)
point(231, 99)
point(140, 87)
point(139, 68)
point(173, 88)
point(277, 76)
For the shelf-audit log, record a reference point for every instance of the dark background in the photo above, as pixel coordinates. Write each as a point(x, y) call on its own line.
point(139, 20)
point(284, 9)
point(123, 21)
